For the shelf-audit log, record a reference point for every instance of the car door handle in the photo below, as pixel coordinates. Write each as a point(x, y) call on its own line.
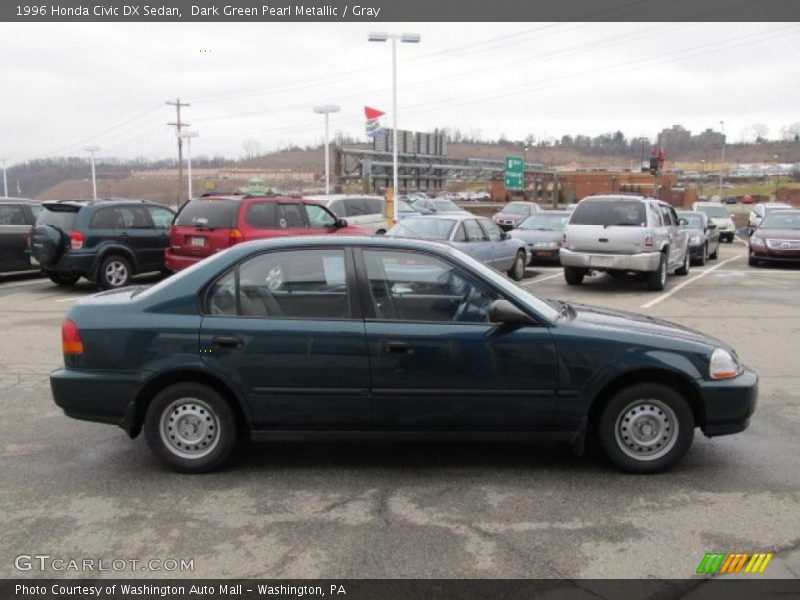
point(227, 341)
point(397, 348)
point(602, 240)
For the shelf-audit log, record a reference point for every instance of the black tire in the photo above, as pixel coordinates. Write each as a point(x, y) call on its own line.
point(206, 418)
point(753, 262)
point(684, 269)
point(646, 428)
point(704, 256)
point(64, 279)
point(573, 275)
point(115, 272)
point(714, 255)
point(657, 280)
point(517, 270)
point(729, 239)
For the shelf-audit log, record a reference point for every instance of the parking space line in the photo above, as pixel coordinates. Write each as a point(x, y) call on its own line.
point(680, 286)
point(537, 280)
point(68, 299)
point(20, 284)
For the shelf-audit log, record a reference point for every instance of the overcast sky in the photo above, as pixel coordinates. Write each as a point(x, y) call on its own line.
point(67, 86)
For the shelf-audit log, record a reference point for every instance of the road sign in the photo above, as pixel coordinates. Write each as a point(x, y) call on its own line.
point(515, 173)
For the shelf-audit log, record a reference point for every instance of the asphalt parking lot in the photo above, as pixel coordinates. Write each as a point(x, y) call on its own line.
point(80, 490)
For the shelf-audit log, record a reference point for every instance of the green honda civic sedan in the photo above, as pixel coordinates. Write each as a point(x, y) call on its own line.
point(369, 336)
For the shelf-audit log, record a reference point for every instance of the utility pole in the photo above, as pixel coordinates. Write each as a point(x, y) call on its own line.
point(5, 181)
point(178, 124)
point(91, 150)
point(722, 171)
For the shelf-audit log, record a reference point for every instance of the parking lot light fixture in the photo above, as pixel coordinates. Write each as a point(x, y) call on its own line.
point(406, 38)
point(327, 109)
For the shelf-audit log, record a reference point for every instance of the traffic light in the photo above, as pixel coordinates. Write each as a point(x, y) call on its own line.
point(654, 165)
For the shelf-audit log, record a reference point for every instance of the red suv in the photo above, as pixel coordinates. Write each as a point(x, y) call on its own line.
point(214, 222)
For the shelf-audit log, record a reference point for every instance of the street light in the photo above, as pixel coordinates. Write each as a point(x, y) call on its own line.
point(722, 172)
point(188, 135)
point(406, 38)
point(327, 109)
point(91, 150)
point(5, 182)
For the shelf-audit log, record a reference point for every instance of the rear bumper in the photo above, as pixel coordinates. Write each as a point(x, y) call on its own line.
point(73, 262)
point(697, 252)
point(175, 262)
point(99, 396)
point(643, 261)
point(543, 254)
point(729, 403)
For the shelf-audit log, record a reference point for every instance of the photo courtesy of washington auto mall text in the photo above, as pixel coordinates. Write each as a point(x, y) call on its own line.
point(403, 300)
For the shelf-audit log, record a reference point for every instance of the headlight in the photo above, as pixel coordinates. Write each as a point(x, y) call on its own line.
point(756, 241)
point(723, 365)
point(694, 240)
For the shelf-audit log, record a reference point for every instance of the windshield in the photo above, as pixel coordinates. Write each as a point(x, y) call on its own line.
point(713, 211)
point(423, 229)
point(610, 213)
point(544, 222)
point(695, 219)
point(404, 206)
point(445, 206)
point(782, 219)
point(516, 209)
point(768, 209)
point(208, 213)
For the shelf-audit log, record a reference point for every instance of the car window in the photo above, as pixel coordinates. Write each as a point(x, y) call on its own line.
point(412, 286)
point(474, 231)
point(133, 217)
point(11, 214)
point(375, 206)
point(673, 215)
point(162, 218)
point(713, 210)
point(105, 218)
point(460, 235)
point(318, 217)
point(610, 213)
point(261, 215)
point(293, 284)
point(493, 232)
point(338, 207)
point(781, 219)
point(290, 215)
point(36, 209)
point(355, 207)
point(666, 215)
point(655, 215)
point(423, 228)
point(516, 209)
point(208, 213)
point(62, 219)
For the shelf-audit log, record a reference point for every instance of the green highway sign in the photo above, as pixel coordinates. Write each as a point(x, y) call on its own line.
point(514, 175)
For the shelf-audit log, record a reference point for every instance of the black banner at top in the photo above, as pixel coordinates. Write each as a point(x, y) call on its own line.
point(397, 10)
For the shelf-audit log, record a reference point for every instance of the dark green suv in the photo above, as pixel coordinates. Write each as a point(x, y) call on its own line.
point(107, 241)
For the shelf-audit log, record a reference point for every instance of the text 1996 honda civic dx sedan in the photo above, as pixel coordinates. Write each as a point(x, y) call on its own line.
point(376, 335)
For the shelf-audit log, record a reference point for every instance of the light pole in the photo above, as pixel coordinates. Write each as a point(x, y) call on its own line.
point(722, 170)
point(5, 181)
point(703, 177)
point(776, 157)
point(327, 109)
point(406, 38)
point(91, 150)
point(188, 135)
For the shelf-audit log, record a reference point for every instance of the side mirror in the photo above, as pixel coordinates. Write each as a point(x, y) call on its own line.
point(505, 236)
point(502, 311)
point(341, 222)
point(683, 222)
point(712, 226)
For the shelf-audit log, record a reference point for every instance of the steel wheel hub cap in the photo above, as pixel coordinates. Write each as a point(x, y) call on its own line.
point(189, 428)
point(116, 273)
point(646, 429)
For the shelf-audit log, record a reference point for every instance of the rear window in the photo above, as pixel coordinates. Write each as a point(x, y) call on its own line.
point(516, 209)
point(426, 229)
point(610, 213)
point(209, 213)
point(62, 219)
point(713, 211)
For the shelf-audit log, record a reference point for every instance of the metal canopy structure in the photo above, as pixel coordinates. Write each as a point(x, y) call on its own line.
point(418, 171)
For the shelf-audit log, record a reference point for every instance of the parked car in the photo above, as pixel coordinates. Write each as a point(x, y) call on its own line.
point(477, 236)
point(777, 238)
point(513, 213)
point(405, 210)
point(703, 236)
point(542, 233)
point(436, 206)
point(620, 234)
point(730, 200)
point(106, 241)
point(359, 210)
point(720, 217)
point(319, 334)
point(211, 223)
point(761, 210)
point(17, 218)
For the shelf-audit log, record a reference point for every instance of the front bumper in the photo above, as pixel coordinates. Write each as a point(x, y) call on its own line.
point(643, 261)
point(729, 403)
point(765, 253)
point(99, 396)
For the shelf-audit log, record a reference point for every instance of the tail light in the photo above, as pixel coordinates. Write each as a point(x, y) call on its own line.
point(648, 242)
point(235, 236)
point(71, 338)
point(76, 240)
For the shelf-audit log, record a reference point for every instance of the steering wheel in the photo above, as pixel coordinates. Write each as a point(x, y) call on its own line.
point(463, 312)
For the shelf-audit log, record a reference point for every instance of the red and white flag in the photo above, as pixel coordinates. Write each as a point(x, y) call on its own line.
point(373, 121)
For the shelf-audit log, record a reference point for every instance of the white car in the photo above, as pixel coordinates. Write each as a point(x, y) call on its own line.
point(719, 216)
point(761, 210)
point(361, 210)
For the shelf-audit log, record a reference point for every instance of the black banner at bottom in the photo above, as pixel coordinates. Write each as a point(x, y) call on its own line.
point(399, 589)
